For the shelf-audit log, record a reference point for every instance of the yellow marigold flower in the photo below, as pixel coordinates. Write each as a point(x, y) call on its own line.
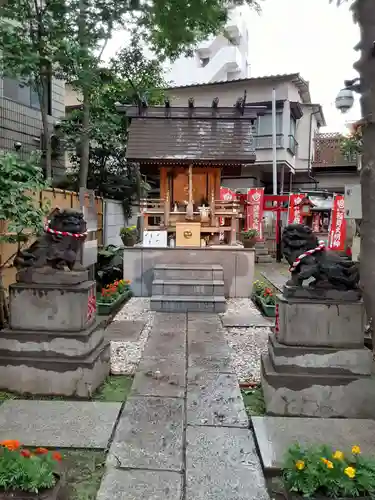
point(324, 460)
point(356, 450)
point(300, 464)
point(329, 464)
point(338, 455)
point(350, 472)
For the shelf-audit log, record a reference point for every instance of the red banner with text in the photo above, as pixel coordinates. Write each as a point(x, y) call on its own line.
point(226, 194)
point(295, 215)
point(337, 226)
point(254, 210)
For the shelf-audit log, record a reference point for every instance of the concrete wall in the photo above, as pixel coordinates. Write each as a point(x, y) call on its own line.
point(20, 123)
point(114, 220)
point(238, 265)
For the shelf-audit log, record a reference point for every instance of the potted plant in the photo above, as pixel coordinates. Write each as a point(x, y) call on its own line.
point(323, 472)
point(129, 235)
point(29, 474)
point(112, 296)
point(267, 302)
point(249, 238)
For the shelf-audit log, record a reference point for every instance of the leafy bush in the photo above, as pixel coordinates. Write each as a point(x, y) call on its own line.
point(250, 234)
point(322, 471)
point(25, 469)
point(110, 266)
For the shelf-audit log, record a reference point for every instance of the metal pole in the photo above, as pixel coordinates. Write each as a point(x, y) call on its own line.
point(274, 145)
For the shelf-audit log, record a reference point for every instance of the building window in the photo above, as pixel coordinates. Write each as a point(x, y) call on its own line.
point(24, 94)
point(293, 126)
point(264, 124)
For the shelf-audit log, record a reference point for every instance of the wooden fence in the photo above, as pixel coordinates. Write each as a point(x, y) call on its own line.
point(57, 198)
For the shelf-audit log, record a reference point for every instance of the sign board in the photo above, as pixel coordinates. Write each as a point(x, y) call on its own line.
point(353, 202)
point(154, 239)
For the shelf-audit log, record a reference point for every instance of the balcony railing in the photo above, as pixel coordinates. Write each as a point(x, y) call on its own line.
point(265, 141)
point(292, 145)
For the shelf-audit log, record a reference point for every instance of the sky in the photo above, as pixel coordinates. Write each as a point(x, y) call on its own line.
point(310, 37)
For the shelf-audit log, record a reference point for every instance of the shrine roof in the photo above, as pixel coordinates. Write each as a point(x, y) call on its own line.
point(191, 136)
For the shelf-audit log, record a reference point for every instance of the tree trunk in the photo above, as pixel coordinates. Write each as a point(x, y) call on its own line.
point(85, 135)
point(42, 89)
point(4, 310)
point(365, 15)
point(85, 141)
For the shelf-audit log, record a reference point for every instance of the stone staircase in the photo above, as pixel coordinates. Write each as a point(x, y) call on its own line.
point(261, 253)
point(188, 288)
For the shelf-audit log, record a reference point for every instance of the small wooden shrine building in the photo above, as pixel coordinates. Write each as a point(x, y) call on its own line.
point(188, 147)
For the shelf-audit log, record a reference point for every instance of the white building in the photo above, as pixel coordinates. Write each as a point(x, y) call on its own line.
point(219, 58)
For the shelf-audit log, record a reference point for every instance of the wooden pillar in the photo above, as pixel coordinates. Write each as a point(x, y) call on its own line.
point(190, 207)
point(233, 230)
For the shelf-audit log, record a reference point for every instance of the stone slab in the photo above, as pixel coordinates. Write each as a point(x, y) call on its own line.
point(127, 331)
point(120, 484)
point(48, 275)
point(276, 279)
point(222, 464)
point(163, 377)
point(149, 434)
point(246, 320)
point(310, 293)
point(275, 434)
point(163, 341)
point(215, 399)
point(64, 424)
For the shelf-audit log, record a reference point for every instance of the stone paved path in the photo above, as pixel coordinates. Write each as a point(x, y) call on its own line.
point(183, 434)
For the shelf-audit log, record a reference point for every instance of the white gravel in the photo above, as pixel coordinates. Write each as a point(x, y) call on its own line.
point(246, 344)
point(125, 356)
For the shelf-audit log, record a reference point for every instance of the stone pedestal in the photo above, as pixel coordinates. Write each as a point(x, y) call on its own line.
point(53, 344)
point(317, 365)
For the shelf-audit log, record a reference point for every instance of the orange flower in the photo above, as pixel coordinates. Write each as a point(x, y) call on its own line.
point(41, 451)
point(57, 456)
point(11, 444)
point(26, 453)
point(127, 282)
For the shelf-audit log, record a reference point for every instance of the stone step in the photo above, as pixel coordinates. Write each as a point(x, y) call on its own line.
point(264, 259)
point(188, 287)
point(188, 271)
point(261, 251)
point(275, 434)
point(183, 303)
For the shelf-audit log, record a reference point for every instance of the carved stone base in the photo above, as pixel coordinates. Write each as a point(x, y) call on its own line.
point(49, 276)
point(329, 294)
point(321, 323)
point(321, 394)
point(61, 375)
point(52, 307)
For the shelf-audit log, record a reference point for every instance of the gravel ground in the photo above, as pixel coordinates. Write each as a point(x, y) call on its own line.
point(125, 356)
point(246, 344)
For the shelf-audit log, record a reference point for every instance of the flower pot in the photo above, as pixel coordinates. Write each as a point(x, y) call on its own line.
point(105, 308)
point(268, 309)
point(49, 494)
point(249, 242)
point(129, 239)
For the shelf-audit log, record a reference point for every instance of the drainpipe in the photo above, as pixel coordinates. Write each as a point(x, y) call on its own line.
point(309, 174)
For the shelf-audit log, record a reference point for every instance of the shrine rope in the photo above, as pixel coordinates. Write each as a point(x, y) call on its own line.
point(319, 248)
point(47, 229)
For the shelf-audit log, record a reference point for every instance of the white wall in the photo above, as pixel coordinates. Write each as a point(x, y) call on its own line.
point(113, 221)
